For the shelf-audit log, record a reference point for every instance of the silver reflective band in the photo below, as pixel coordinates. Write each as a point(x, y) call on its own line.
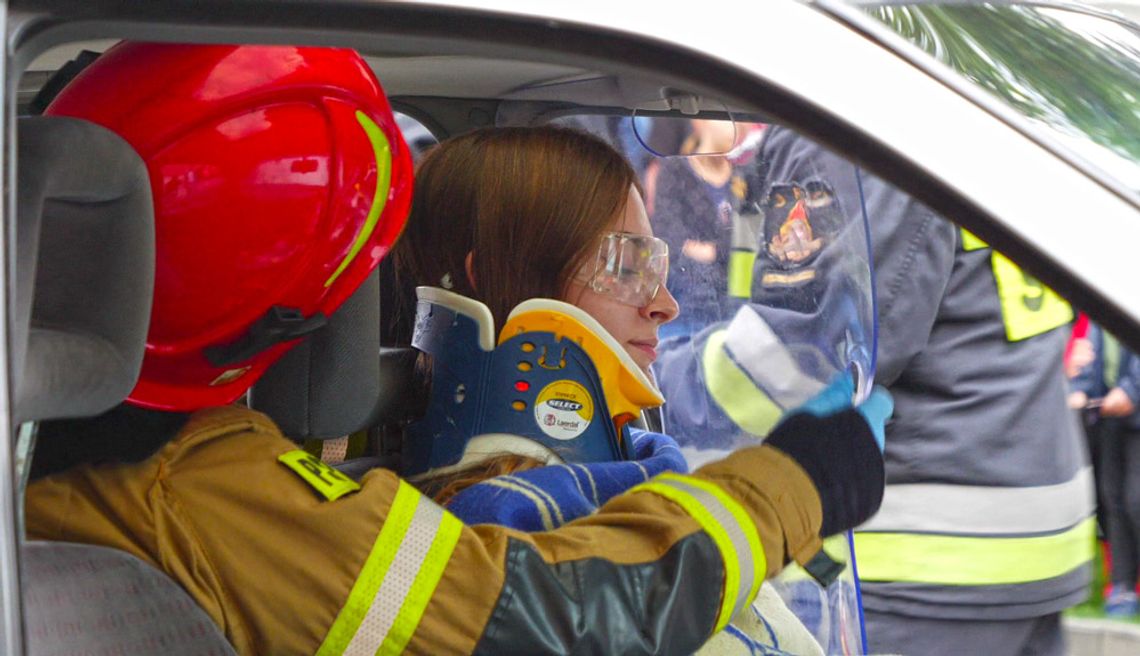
point(398, 578)
point(754, 347)
point(734, 531)
point(398, 581)
point(980, 510)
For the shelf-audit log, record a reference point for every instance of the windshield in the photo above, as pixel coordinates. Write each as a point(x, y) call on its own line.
point(1074, 73)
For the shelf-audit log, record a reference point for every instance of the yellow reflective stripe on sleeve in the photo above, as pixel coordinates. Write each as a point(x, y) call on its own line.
point(424, 586)
point(736, 394)
point(959, 560)
point(398, 578)
point(372, 574)
point(740, 262)
point(731, 530)
point(759, 560)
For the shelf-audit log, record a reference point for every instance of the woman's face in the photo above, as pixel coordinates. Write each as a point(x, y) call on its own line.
point(635, 328)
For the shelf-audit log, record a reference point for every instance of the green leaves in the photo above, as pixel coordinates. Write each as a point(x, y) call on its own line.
point(1078, 75)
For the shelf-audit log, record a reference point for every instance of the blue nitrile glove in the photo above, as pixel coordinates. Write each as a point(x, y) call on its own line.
point(833, 398)
point(877, 409)
point(837, 396)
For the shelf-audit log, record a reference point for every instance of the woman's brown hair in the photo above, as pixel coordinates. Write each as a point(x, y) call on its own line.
point(529, 203)
point(442, 487)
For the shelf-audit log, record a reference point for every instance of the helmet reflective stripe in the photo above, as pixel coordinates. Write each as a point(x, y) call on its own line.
point(398, 578)
point(730, 528)
point(383, 151)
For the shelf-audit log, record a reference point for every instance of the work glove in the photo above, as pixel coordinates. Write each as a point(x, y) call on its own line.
point(839, 446)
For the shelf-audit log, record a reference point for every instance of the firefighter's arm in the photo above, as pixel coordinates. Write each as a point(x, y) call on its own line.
point(284, 568)
point(657, 570)
point(663, 567)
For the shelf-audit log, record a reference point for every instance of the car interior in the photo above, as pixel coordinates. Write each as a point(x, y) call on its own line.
point(338, 382)
point(81, 313)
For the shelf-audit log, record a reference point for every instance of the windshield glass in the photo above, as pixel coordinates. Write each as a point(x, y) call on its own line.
point(1076, 74)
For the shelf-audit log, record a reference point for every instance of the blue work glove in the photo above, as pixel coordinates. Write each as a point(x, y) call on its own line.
point(833, 398)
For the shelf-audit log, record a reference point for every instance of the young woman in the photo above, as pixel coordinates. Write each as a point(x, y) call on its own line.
point(536, 202)
point(508, 214)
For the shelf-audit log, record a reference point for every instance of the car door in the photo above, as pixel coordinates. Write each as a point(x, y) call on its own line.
point(815, 71)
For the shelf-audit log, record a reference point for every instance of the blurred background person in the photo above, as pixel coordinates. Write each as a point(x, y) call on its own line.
point(1107, 389)
point(695, 199)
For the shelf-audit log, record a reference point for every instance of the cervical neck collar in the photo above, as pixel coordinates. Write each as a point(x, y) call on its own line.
point(555, 386)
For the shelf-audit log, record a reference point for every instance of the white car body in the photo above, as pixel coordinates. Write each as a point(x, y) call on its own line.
point(838, 76)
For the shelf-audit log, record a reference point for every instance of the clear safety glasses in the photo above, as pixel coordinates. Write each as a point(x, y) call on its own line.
point(630, 268)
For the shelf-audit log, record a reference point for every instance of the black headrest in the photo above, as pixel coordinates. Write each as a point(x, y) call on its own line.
point(327, 386)
point(84, 268)
point(339, 380)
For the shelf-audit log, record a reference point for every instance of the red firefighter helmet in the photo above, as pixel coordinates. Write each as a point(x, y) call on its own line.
point(280, 179)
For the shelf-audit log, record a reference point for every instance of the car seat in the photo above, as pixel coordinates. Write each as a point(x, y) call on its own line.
point(84, 279)
point(340, 382)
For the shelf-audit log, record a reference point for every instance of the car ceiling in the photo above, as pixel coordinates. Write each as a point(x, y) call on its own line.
point(466, 77)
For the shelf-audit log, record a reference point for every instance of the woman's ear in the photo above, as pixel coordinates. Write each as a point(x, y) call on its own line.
point(469, 265)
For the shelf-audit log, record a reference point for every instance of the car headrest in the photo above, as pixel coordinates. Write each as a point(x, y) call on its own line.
point(84, 268)
point(328, 385)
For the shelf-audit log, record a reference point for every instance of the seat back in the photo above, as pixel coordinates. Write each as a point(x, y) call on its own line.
point(80, 599)
point(328, 385)
point(84, 269)
point(84, 281)
point(340, 381)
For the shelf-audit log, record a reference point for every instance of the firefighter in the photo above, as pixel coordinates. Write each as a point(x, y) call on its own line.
point(986, 529)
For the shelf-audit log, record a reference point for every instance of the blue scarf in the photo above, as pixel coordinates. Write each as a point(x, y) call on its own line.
point(545, 498)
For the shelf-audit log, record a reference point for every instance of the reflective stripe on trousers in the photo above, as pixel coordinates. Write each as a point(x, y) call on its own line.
point(398, 578)
point(976, 535)
point(730, 528)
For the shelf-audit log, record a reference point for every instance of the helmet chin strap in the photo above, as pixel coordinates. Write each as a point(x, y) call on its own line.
point(279, 324)
point(555, 379)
